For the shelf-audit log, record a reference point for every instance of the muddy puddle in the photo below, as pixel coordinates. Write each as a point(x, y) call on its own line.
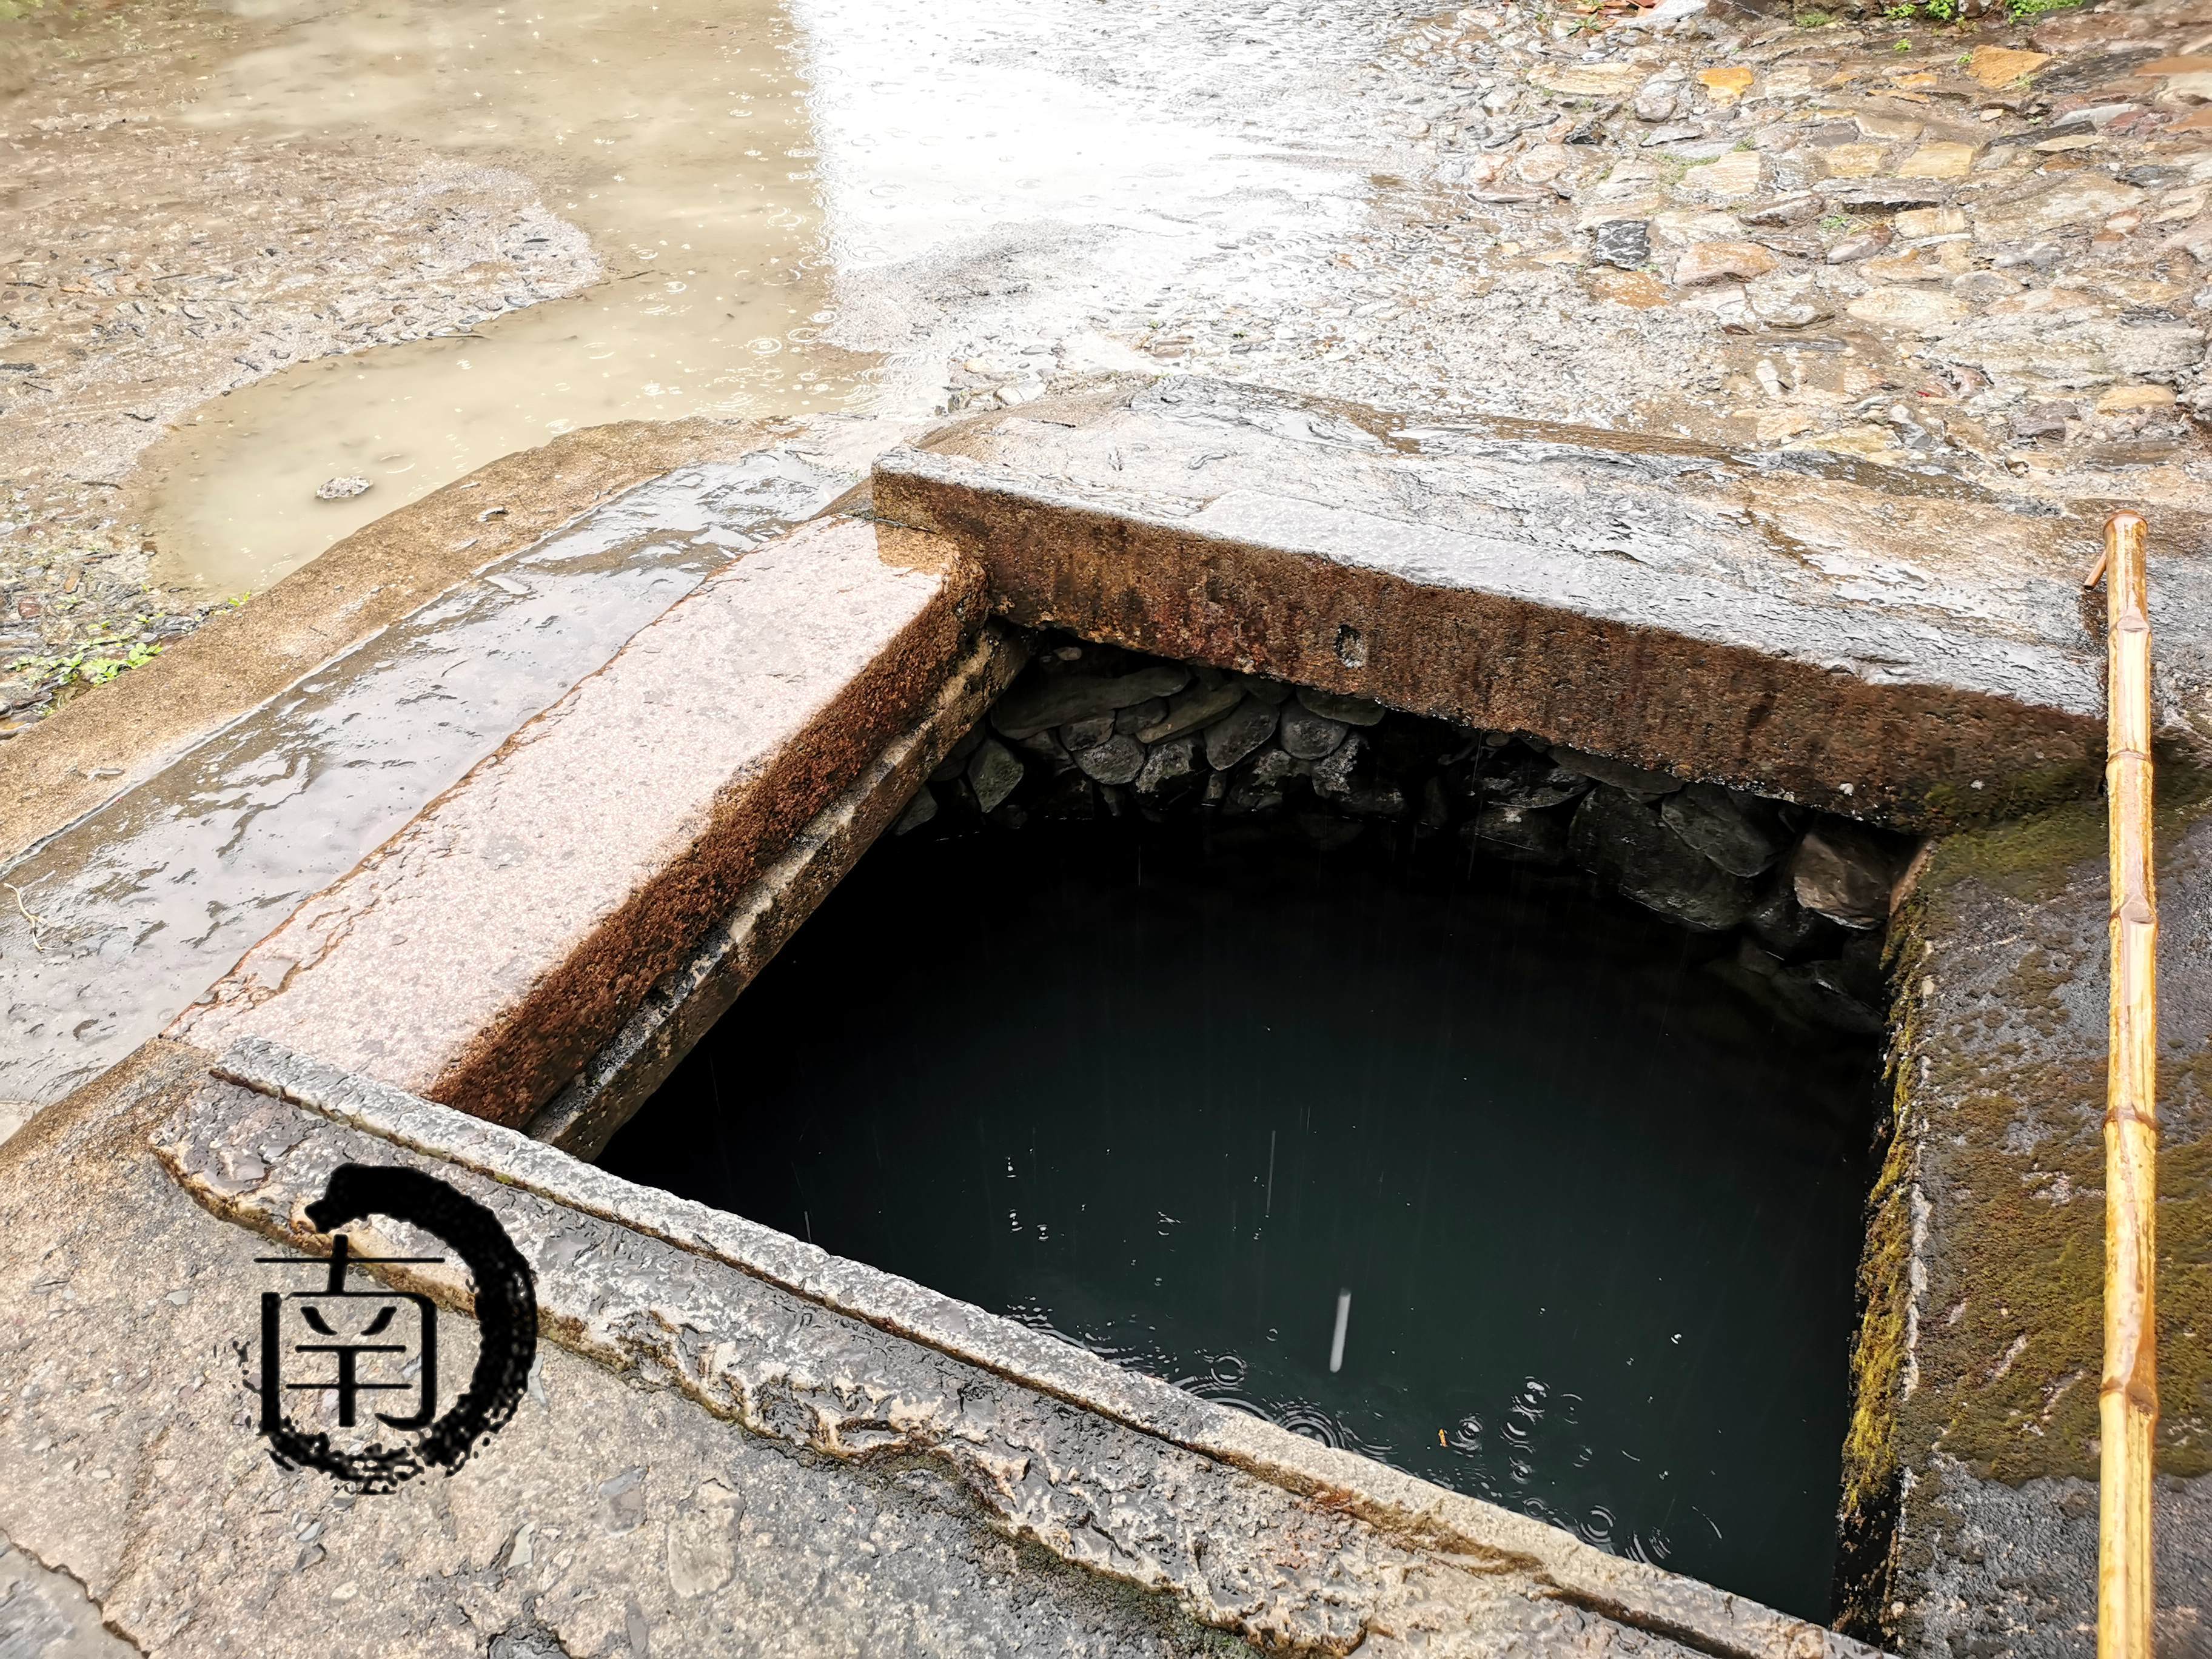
point(675, 134)
point(800, 208)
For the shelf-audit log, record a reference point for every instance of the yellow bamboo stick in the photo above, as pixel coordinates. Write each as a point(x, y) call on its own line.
point(2128, 1400)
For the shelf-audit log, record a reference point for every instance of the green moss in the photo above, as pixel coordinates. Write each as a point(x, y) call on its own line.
point(1999, 1095)
point(2032, 859)
point(2035, 858)
point(1878, 1353)
point(1981, 1338)
point(2036, 790)
point(1950, 11)
point(2021, 1401)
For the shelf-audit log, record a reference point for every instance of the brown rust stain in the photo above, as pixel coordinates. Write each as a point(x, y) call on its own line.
point(510, 1069)
point(1727, 713)
point(904, 549)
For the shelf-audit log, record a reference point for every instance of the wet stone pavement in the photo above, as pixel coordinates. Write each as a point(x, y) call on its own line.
point(1923, 246)
point(1974, 248)
point(178, 878)
point(1978, 249)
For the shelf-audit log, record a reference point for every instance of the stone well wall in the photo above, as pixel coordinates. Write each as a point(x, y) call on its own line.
point(1793, 903)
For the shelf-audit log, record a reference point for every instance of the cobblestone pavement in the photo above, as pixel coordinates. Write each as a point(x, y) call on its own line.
point(1965, 246)
point(1976, 248)
point(1969, 246)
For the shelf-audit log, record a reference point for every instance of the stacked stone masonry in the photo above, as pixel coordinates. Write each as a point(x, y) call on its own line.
point(1793, 903)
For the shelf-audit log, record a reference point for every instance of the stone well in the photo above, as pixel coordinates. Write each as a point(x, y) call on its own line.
point(1796, 713)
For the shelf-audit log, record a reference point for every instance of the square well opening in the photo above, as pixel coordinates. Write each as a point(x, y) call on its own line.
point(1502, 1113)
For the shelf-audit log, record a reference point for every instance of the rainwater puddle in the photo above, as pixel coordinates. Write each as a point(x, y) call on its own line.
point(1466, 1169)
point(1053, 186)
point(675, 134)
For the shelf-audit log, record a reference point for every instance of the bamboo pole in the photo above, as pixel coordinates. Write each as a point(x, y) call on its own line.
point(2128, 1400)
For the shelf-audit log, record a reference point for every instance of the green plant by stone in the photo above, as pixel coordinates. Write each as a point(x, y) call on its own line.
point(1949, 11)
point(83, 664)
point(95, 662)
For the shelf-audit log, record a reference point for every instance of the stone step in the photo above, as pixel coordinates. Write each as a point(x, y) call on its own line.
point(1915, 654)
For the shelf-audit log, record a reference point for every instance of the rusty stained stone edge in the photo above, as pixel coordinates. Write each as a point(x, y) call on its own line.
point(679, 1010)
point(1658, 698)
point(515, 1066)
point(530, 1045)
point(1684, 1610)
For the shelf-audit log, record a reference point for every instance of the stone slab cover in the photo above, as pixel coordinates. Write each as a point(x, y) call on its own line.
point(482, 954)
point(1916, 653)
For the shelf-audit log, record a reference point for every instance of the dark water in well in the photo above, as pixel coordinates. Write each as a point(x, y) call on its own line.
point(1171, 1097)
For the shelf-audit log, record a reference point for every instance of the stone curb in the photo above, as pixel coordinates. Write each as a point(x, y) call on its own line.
point(281, 801)
point(1411, 1510)
point(609, 834)
point(685, 1004)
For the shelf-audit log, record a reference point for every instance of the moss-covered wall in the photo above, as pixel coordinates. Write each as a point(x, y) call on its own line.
point(1982, 1280)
